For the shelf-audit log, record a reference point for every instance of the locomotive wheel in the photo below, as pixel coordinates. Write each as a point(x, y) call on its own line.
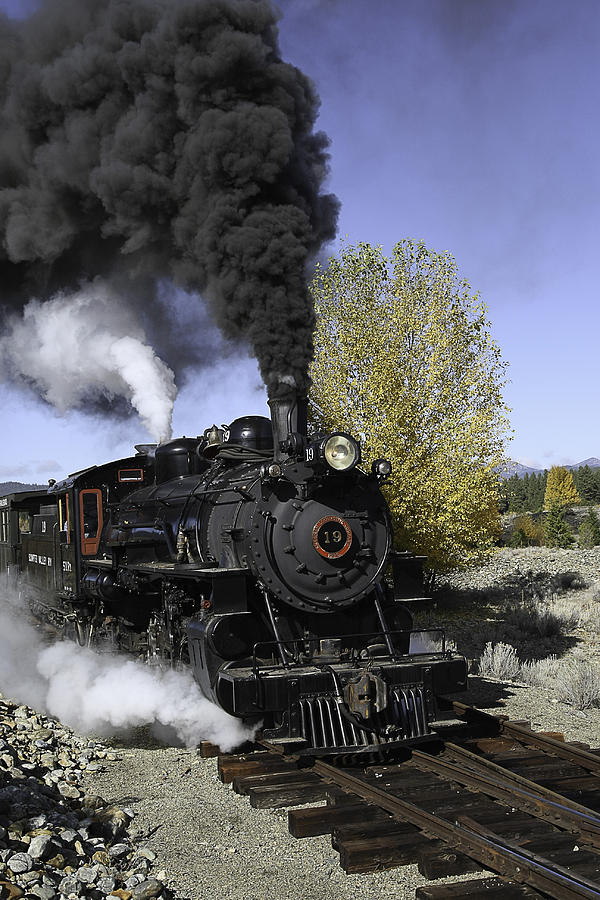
point(77, 632)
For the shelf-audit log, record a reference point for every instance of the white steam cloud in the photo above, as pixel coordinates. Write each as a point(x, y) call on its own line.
point(89, 344)
point(104, 693)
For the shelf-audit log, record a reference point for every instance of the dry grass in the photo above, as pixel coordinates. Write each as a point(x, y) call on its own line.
point(540, 672)
point(574, 681)
point(589, 617)
point(499, 661)
point(578, 684)
point(539, 618)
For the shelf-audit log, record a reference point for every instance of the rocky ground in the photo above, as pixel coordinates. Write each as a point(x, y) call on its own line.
point(473, 605)
point(56, 838)
point(167, 824)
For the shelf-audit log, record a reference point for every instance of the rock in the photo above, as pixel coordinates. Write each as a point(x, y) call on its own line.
point(68, 836)
point(20, 862)
point(43, 891)
point(30, 877)
point(86, 875)
point(147, 889)
point(122, 894)
point(117, 851)
point(10, 891)
point(92, 802)
point(68, 885)
point(112, 821)
point(146, 853)
point(56, 862)
point(101, 857)
point(41, 845)
point(141, 864)
point(68, 790)
point(106, 885)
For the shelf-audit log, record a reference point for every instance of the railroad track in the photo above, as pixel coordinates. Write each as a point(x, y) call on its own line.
point(518, 807)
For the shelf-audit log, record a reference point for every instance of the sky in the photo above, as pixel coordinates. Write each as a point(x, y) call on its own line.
point(471, 125)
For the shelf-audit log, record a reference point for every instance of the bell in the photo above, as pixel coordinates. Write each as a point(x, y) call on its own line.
point(214, 439)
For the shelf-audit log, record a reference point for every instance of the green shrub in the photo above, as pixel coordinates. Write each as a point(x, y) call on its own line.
point(518, 538)
point(556, 531)
point(589, 531)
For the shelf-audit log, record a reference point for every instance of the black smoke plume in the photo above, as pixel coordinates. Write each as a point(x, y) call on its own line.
point(153, 142)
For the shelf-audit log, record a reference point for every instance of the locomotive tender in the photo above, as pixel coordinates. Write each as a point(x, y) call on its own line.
point(256, 555)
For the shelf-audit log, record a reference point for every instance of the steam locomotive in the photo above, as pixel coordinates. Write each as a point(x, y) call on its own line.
point(256, 554)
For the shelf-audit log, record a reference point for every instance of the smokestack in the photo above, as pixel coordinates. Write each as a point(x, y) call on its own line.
point(288, 416)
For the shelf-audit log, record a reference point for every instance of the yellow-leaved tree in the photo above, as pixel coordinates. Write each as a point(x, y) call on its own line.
point(560, 489)
point(404, 360)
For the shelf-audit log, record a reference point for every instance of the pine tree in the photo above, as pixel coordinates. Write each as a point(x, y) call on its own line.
point(585, 484)
point(517, 495)
point(589, 531)
point(596, 485)
point(556, 531)
point(560, 489)
point(538, 489)
point(525, 491)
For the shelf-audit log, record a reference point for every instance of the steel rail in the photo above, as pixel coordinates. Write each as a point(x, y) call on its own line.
point(489, 850)
point(580, 757)
point(507, 786)
point(537, 862)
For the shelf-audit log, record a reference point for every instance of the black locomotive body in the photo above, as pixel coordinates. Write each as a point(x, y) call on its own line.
point(257, 557)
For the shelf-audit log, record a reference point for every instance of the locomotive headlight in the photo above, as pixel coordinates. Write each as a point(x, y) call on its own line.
point(341, 452)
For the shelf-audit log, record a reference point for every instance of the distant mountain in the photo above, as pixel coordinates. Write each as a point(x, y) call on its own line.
point(593, 462)
point(16, 487)
point(516, 468)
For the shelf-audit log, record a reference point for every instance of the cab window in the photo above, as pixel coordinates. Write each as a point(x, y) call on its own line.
point(25, 521)
point(131, 475)
point(90, 519)
point(63, 520)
